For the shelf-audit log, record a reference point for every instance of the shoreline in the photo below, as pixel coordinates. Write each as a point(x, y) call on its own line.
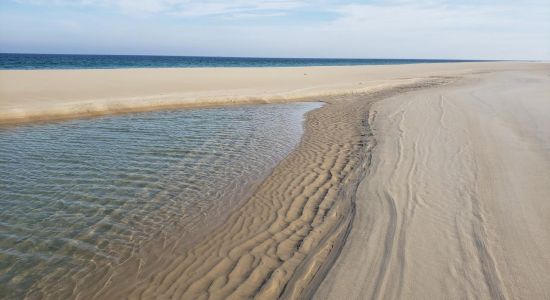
point(300, 243)
point(331, 221)
point(49, 95)
point(183, 235)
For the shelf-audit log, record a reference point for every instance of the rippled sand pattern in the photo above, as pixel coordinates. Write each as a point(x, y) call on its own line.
point(282, 241)
point(80, 198)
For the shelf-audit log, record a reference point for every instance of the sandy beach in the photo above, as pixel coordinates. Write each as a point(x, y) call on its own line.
point(34, 95)
point(455, 202)
point(412, 182)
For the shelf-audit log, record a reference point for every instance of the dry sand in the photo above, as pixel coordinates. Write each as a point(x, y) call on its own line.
point(31, 95)
point(456, 203)
point(423, 181)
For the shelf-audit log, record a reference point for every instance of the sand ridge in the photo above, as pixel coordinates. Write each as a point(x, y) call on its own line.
point(41, 95)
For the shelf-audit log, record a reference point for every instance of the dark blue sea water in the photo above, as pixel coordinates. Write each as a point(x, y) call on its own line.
point(12, 61)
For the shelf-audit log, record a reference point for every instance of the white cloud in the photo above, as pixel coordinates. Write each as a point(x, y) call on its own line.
point(200, 8)
point(188, 8)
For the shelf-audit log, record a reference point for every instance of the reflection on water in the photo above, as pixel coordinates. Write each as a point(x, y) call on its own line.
point(79, 195)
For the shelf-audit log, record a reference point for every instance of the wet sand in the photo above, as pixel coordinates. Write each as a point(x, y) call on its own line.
point(284, 239)
point(430, 181)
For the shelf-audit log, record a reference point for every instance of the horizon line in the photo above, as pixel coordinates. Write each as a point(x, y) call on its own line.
point(268, 57)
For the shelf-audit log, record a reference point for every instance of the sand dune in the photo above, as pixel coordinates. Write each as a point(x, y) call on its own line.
point(456, 202)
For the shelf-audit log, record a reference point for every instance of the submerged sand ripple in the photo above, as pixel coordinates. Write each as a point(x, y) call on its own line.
point(279, 241)
point(282, 242)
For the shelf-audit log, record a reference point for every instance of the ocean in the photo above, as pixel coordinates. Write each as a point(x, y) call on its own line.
point(13, 61)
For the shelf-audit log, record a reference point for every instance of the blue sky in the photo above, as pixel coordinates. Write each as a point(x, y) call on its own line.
point(484, 29)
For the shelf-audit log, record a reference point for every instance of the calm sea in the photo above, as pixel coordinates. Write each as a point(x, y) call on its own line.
point(78, 198)
point(66, 61)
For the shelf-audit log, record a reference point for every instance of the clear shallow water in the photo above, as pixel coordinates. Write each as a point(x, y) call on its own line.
point(80, 195)
point(69, 61)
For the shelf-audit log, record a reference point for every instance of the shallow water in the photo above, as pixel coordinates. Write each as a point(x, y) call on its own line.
point(82, 195)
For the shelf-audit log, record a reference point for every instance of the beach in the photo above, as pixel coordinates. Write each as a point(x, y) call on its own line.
point(411, 182)
point(455, 202)
point(34, 95)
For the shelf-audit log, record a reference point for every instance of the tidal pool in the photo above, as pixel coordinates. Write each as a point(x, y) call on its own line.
point(81, 196)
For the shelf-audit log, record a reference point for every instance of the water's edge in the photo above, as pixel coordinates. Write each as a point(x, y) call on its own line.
point(304, 282)
point(242, 191)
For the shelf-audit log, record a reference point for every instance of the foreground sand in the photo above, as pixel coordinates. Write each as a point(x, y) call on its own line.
point(432, 181)
point(456, 203)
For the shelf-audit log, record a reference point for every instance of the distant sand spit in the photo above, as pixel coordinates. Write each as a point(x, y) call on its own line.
point(37, 95)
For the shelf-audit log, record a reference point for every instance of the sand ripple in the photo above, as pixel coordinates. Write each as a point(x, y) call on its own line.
point(80, 198)
point(282, 239)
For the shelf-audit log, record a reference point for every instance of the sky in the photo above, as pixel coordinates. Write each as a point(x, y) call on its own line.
point(445, 29)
